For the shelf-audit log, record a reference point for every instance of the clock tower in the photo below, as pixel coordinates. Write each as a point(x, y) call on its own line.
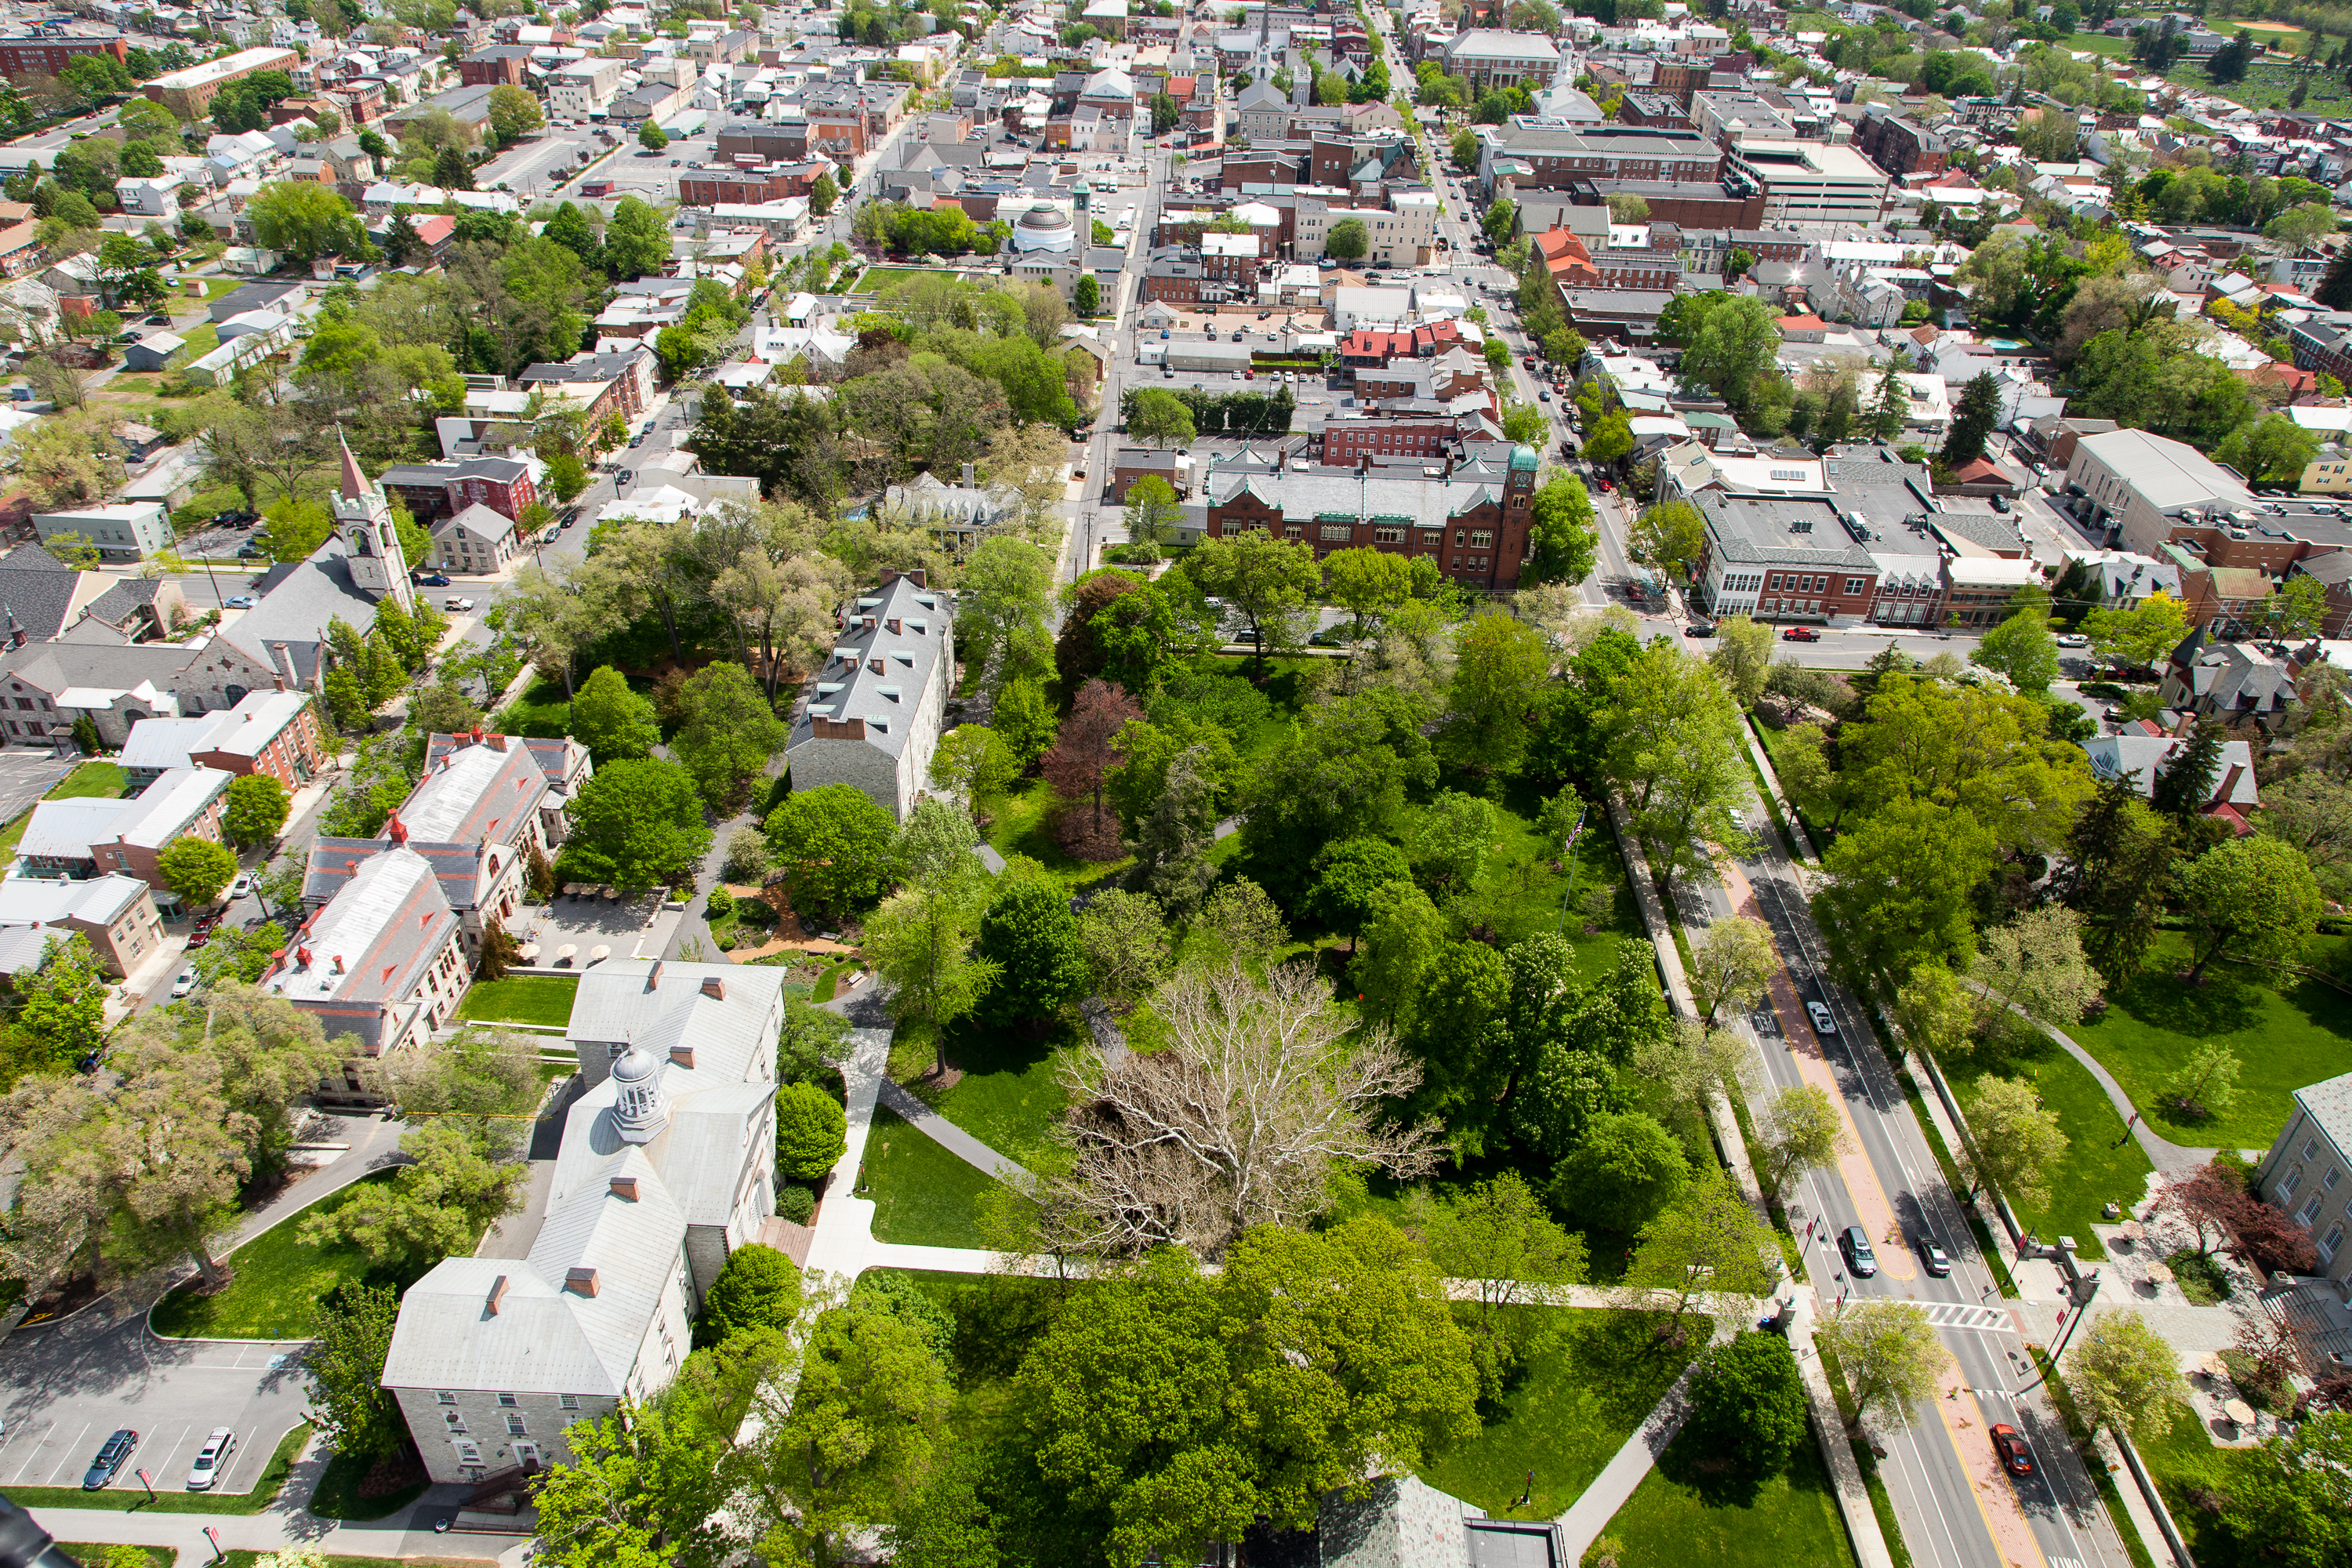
point(371, 545)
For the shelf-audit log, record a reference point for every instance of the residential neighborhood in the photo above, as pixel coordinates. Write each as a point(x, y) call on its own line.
point(1069, 782)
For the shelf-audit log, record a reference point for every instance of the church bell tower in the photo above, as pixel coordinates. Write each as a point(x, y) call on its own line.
point(371, 545)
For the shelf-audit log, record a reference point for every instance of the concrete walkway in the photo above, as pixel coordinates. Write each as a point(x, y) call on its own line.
point(1590, 1514)
point(2170, 1159)
point(947, 1134)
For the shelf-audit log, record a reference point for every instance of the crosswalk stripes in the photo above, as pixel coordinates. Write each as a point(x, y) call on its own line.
point(1959, 1315)
point(2065, 1563)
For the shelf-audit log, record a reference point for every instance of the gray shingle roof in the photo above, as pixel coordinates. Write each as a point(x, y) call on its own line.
point(298, 598)
point(851, 686)
point(37, 589)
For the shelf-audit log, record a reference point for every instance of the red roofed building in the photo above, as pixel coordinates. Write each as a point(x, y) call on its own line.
point(438, 232)
point(1365, 349)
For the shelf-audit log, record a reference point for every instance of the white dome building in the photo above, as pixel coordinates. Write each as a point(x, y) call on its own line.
point(1044, 227)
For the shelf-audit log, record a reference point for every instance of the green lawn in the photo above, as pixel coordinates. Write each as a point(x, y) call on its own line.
point(2287, 1032)
point(2269, 82)
point(217, 287)
point(1583, 1395)
point(132, 1497)
point(275, 1289)
point(1024, 825)
point(2185, 1461)
point(1680, 1515)
point(520, 999)
point(337, 1494)
point(87, 1551)
point(923, 1196)
point(2101, 1165)
point(1008, 1096)
point(336, 1560)
point(198, 341)
point(93, 780)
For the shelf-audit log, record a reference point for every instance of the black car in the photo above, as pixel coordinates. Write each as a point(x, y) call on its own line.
point(1854, 1242)
point(434, 580)
point(1699, 630)
point(110, 1461)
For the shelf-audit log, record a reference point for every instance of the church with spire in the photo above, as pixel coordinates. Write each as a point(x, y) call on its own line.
point(347, 579)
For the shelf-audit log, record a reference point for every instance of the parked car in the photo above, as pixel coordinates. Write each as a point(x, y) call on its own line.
point(2072, 639)
point(2010, 1443)
point(1932, 1255)
point(1699, 630)
point(111, 1459)
point(1239, 335)
point(636, 440)
point(182, 982)
point(554, 532)
point(1820, 1014)
point(434, 580)
point(1854, 1242)
point(2000, 503)
point(237, 602)
point(242, 887)
point(455, 603)
point(629, 476)
point(1800, 634)
point(212, 1459)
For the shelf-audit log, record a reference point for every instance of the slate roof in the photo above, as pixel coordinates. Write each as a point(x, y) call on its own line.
point(36, 590)
point(296, 601)
point(383, 929)
point(475, 795)
point(850, 687)
point(2329, 1103)
point(1361, 497)
point(124, 599)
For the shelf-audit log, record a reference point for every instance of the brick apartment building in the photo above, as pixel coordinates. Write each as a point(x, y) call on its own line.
point(189, 93)
point(498, 66)
point(1899, 145)
point(1535, 152)
point(748, 187)
point(434, 490)
point(1696, 207)
point(1655, 110)
point(25, 57)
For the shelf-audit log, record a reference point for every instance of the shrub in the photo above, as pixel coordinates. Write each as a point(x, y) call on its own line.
point(718, 905)
point(759, 1288)
point(747, 856)
point(811, 1131)
point(795, 1202)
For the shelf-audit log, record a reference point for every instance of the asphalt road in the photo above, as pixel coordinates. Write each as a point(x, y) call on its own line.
point(1943, 1520)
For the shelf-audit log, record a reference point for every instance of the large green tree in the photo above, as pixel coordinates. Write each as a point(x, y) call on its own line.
point(2254, 899)
point(1264, 580)
point(1031, 938)
point(839, 846)
point(1901, 889)
point(637, 824)
point(727, 733)
point(614, 722)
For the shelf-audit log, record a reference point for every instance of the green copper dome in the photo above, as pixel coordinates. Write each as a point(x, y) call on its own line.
point(1523, 460)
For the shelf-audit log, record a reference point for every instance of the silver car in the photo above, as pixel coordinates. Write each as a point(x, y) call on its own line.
point(212, 1459)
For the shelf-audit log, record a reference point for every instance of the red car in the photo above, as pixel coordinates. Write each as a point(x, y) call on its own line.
point(1606, 488)
point(1800, 634)
point(2015, 1456)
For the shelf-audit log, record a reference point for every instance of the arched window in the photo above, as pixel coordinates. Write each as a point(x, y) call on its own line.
point(367, 543)
point(235, 694)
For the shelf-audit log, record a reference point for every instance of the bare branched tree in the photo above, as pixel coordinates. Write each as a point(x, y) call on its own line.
point(1262, 1089)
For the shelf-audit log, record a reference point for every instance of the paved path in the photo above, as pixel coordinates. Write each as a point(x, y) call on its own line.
point(947, 1134)
point(1590, 1514)
point(2169, 1158)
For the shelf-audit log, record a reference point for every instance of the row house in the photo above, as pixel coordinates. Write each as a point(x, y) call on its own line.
point(749, 187)
point(603, 384)
point(1404, 428)
point(79, 840)
point(500, 66)
point(1471, 519)
point(272, 732)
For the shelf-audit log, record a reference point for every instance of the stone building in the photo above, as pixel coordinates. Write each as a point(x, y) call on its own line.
point(876, 707)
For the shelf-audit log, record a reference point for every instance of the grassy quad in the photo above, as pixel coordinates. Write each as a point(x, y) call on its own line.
point(2186, 1464)
point(2269, 82)
point(2102, 1164)
point(2287, 1031)
point(923, 1196)
point(1681, 1514)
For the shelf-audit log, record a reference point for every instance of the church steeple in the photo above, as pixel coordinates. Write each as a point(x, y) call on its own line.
point(371, 551)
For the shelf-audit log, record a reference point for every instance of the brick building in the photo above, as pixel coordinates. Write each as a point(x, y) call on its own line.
point(1900, 144)
point(1471, 519)
point(430, 491)
point(1653, 110)
point(1532, 151)
point(25, 57)
point(499, 65)
point(189, 93)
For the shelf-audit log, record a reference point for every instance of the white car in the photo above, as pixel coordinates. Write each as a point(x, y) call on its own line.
point(212, 1459)
point(2072, 639)
point(242, 887)
point(455, 603)
point(1823, 1023)
point(182, 982)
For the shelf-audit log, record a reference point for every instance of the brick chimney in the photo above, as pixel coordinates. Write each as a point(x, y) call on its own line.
point(715, 986)
point(626, 1187)
point(683, 1056)
point(497, 1294)
point(580, 1280)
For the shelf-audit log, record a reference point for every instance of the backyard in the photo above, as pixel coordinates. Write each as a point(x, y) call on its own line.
point(2287, 1031)
point(1596, 1375)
